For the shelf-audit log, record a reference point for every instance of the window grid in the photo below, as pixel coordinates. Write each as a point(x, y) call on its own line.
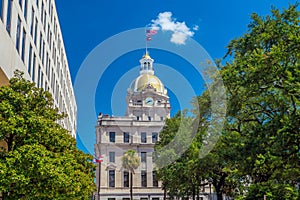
point(112, 157)
point(112, 137)
point(143, 137)
point(111, 178)
point(143, 178)
point(126, 179)
point(126, 137)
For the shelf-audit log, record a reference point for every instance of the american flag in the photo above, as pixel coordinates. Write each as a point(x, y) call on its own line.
point(149, 34)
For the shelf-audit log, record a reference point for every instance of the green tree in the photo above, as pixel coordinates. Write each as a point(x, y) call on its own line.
point(130, 162)
point(39, 159)
point(263, 81)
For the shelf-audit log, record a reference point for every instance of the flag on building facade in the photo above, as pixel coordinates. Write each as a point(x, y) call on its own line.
point(98, 159)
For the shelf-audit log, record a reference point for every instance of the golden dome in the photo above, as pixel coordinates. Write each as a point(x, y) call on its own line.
point(146, 56)
point(147, 80)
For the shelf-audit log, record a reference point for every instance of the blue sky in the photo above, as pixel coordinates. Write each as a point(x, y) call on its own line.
point(88, 25)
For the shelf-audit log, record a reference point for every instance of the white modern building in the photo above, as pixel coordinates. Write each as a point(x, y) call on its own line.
point(31, 41)
point(147, 108)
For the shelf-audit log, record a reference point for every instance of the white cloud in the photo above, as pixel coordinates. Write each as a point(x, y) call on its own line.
point(180, 30)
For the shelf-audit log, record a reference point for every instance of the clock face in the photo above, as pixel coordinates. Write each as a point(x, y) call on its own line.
point(149, 101)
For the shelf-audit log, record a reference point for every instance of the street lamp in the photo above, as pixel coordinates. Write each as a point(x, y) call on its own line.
point(210, 182)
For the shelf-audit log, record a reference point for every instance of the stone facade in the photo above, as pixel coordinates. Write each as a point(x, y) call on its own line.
point(147, 108)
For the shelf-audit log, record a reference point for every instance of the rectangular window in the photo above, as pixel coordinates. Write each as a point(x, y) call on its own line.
point(29, 60)
point(112, 157)
point(23, 45)
point(25, 9)
point(143, 178)
point(35, 31)
point(45, 18)
point(111, 178)
point(32, 22)
point(42, 12)
point(1, 9)
point(41, 45)
point(111, 199)
point(20, 3)
point(143, 157)
point(126, 179)
point(154, 179)
point(154, 137)
point(39, 78)
point(48, 33)
point(126, 137)
point(33, 68)
point(112, 137)
point(8, 17)
point(149, 118)
point(18, 33)
point(143, 137)
point(43, 53)
point(42, 80)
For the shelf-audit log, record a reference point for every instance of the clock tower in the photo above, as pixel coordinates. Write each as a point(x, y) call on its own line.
point(147, 108)
point(147, 98)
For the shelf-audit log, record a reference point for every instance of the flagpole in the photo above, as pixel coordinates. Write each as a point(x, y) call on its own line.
point(99, 178)
point(146, 40)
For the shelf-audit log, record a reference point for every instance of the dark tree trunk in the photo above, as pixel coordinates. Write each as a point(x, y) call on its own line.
point(219, 196)
point(194, 192)
point(131, 180)
point(198, 198)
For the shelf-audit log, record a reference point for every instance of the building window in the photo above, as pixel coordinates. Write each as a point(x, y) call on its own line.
point(154, 137)
point(18, 33)
point(8, 17)
point(143, 137)
point(41, 45)
point(154, 179)
point(39, 77)
point(25, 9)
point(126, 179)
point(126, 137)
point(1, 9)
point(143, 178)
point(125, 198)
point(33, 68)
point(35, 31)
point(137, 118)
point(143, 157)
point(111, 199)
point(112, 137)
point(111, 178)
point(112, 157)
point(149, 118)
point(23, 45)
point(29, 59)
point(32, 22)
point(20, 3)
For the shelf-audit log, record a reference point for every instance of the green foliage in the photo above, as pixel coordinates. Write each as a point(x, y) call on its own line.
point(263, 82)
point(40, 159)
point(130, 160)
point(257, 153)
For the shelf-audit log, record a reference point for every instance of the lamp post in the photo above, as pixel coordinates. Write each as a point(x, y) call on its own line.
point(210, 182)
